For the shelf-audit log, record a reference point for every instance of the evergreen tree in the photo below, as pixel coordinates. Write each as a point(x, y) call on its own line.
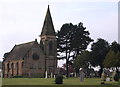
point(115, 47)
point(98, 53)
point(71, 41)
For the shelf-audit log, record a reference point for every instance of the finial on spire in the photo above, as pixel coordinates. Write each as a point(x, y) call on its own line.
point(48, 2)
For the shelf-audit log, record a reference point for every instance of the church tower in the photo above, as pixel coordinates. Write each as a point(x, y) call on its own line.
point(48, 44)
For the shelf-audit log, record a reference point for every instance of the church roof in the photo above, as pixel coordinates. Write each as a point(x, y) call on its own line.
point(19, 51)
point(48, 28)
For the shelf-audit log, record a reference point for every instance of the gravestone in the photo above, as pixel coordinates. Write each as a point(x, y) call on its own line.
point(46, 75)
point(82, 75)
point(113, 75)
point(107, 79)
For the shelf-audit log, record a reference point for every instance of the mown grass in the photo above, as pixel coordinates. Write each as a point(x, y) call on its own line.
point(50, 81)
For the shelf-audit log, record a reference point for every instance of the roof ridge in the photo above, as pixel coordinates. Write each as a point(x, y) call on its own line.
point(25, 43)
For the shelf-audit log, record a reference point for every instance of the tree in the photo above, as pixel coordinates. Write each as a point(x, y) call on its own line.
point(71, 40)
point(98, 53)
point(82, 60)
point(63, 43)
point(80, 39)
point(112, 58)
point(115, 47)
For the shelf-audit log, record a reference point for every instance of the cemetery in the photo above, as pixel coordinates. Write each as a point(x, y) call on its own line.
point(107, 78)
point(36, 62)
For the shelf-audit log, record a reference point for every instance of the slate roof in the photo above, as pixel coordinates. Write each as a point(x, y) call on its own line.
point(19, 51)
point(48, 28)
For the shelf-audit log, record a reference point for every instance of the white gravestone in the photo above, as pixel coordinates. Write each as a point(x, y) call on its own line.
point(46, 74)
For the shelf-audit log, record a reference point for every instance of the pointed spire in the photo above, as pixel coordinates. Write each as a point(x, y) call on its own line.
point(48, 28)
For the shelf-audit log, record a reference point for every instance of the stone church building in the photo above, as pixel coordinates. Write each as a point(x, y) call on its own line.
point(33, 59)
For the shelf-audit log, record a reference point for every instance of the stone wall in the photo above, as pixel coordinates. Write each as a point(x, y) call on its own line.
point(34, 67)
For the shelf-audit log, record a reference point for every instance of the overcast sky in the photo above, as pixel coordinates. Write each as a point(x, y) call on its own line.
point(21, 21)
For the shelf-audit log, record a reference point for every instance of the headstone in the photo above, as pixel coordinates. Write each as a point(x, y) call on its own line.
point(113, 75)
point(29, 74)
point(82, 74)
point(75, 75)
point(54, 76)
point(46, 74)
point(103, 76)
point(107, 79)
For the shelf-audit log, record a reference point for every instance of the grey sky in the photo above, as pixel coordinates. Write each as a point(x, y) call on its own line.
point(22, 20)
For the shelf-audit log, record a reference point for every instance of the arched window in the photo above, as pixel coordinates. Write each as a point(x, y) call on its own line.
point(12, 67)
point(17, 66)
point(3, 69)
point(8, 67)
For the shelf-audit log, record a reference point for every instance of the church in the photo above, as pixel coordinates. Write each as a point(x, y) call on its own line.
point(33, 59)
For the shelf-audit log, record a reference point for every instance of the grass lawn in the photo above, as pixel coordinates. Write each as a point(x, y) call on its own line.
point(50, 81)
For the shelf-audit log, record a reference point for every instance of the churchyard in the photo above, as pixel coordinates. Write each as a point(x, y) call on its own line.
point(51, 81)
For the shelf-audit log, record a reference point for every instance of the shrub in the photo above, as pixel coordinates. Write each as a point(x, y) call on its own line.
point(59, 79)
point(102, 82)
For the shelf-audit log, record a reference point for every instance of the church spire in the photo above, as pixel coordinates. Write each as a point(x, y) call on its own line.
point(48, 28)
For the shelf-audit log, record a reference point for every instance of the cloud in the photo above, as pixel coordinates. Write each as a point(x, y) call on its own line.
point(85, 0)
point(49, 1)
